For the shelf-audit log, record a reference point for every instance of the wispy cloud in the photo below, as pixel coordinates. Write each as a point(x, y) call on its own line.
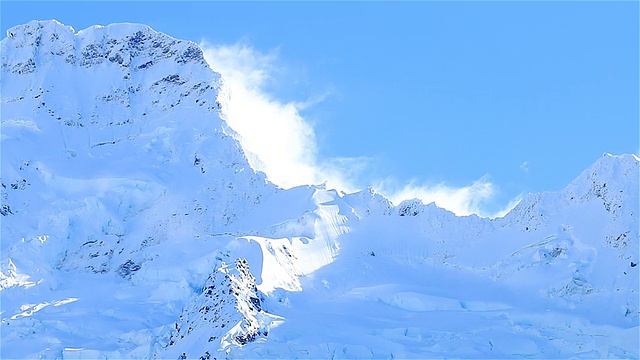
point(281, 142)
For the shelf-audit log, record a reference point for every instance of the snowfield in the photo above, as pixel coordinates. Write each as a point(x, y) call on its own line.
point(134, 227)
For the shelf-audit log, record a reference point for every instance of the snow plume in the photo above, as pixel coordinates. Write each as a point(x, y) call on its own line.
point(279, 141)
point(466, 200)
point(276, 138)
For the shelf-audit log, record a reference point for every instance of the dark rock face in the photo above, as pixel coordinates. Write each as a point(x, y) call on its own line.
point(229, 309)
point(410, 207)
point(127, 269)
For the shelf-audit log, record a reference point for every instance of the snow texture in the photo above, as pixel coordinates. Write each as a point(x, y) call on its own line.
point(134, 227)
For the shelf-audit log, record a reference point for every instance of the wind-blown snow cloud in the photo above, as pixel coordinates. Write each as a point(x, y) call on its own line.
point(281, 142)
point(276, 138)
point(466, 200)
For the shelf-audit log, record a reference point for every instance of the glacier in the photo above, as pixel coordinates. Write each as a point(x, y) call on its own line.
point(133, 226)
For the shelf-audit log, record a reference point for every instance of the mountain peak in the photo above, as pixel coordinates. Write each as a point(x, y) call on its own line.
point(622, 157)
point(128, 45)
point(608, 168)
point(133, 226)
point(32, 28)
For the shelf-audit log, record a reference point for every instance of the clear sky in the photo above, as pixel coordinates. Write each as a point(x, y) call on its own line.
point(471, 104)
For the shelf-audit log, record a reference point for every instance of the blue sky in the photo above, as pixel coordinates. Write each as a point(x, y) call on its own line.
point(475, 103)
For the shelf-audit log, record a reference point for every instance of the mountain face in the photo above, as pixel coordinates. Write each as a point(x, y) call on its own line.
point(134, 227)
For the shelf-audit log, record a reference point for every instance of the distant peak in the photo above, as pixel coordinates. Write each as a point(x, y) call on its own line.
point(610, 171)
point(622, 156)
point(606, 158)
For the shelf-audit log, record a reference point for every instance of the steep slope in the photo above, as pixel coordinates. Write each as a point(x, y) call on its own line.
point(112, 152)
point(545, 281)
point(134, 227)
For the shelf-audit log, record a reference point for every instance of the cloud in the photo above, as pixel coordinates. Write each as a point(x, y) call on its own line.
point(525, 166)
point(279, 141)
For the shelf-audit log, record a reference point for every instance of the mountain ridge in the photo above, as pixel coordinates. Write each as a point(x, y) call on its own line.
point(134, 227)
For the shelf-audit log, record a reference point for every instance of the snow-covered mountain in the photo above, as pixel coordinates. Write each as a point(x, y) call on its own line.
point(134, 227)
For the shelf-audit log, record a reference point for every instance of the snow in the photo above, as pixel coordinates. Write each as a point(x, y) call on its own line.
point(133, 226)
